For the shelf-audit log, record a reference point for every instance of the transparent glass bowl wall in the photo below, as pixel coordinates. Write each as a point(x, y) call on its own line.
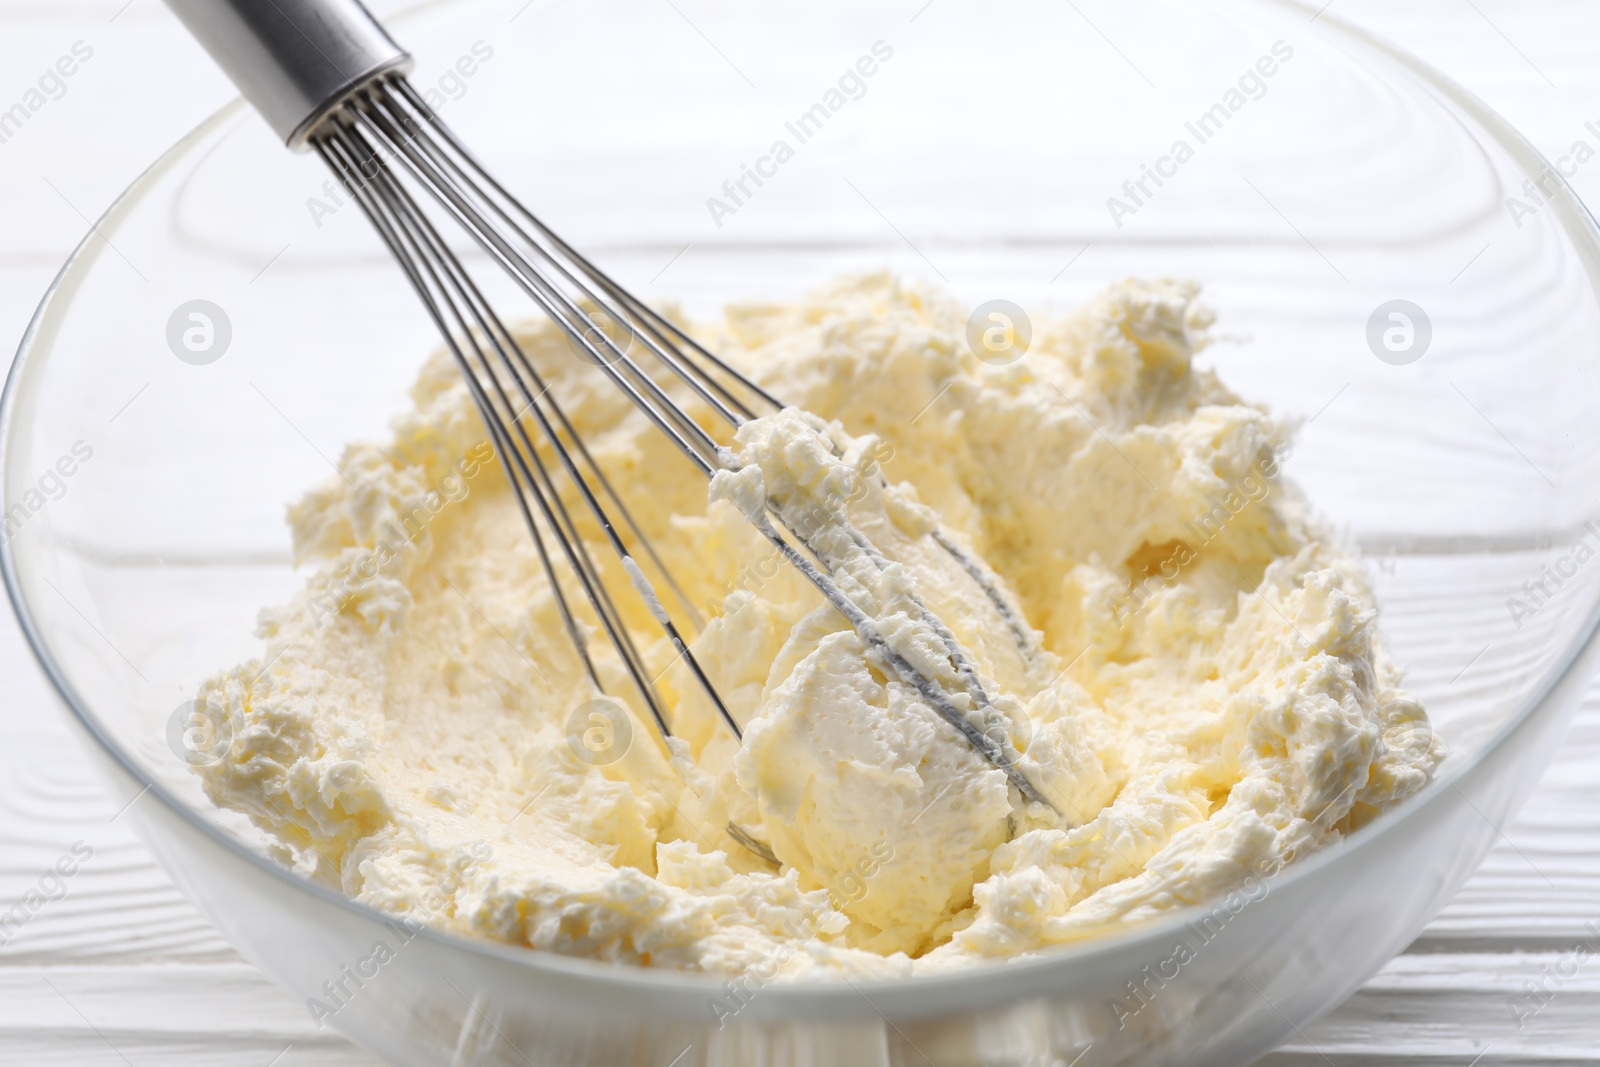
point(980, 155)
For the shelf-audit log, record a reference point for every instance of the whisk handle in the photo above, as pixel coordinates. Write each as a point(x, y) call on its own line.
point(294, 60)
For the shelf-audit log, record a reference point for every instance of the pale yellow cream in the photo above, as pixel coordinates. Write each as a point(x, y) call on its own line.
point(1198, 689)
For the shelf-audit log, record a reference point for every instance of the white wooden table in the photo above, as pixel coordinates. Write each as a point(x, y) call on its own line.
point(123, 970)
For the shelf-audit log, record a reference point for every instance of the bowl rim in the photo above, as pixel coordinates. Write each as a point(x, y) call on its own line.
point(1003, 979)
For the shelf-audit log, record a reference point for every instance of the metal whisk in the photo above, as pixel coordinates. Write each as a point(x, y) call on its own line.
point(327, 77)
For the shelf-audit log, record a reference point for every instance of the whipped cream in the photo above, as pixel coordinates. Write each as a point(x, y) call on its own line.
point(1166, 642)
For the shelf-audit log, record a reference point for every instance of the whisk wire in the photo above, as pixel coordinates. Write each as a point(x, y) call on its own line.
point(565, 309)
point(386, 129)
point(426, 260)
point(505, 205)
point(382, 204)
point(413, 134)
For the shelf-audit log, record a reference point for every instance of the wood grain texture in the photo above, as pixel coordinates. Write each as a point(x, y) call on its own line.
point(122, 970)
point(122, 957)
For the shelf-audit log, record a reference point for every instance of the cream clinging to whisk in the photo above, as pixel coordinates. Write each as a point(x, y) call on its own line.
point(884, 708)
point(1245, 713)
point(347, 99)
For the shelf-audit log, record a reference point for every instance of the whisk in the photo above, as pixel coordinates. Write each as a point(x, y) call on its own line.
point(328, 78)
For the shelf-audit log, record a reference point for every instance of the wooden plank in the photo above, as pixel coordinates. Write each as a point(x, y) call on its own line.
point(1538, 888)
point(1541, 882)
point(1450, 1009)
point(220, 1013)
point(178, 994)
point(117, 904)
point(1515, 1007)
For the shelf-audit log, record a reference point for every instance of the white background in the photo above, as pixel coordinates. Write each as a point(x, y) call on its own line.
point(123, 971)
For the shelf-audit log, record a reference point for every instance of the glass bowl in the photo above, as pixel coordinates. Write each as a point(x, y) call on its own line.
point(1030, 154)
